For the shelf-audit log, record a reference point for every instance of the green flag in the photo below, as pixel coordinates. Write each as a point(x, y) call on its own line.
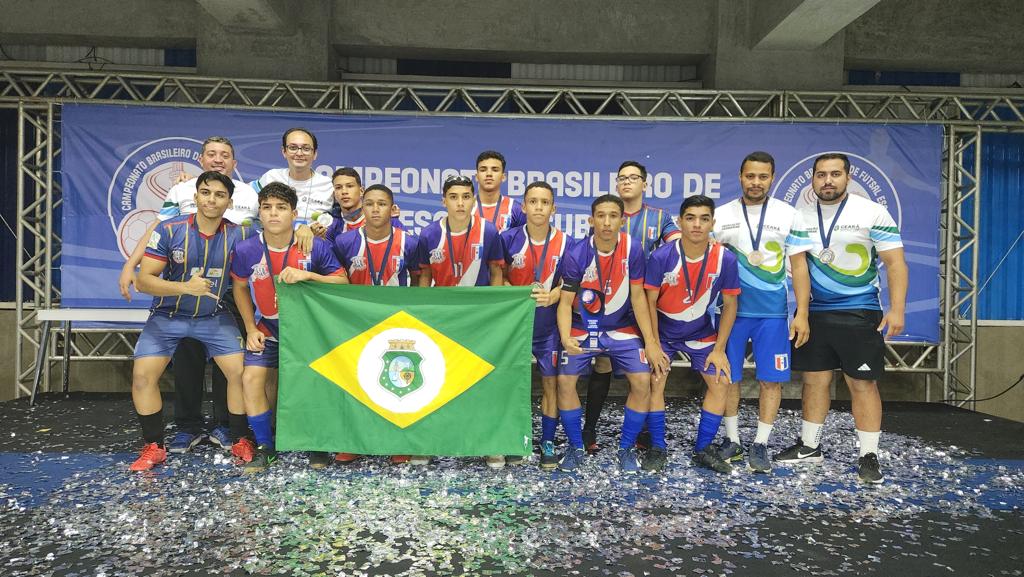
point(405, 370)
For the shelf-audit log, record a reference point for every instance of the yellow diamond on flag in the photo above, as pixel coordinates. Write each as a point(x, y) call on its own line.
point(402, 368)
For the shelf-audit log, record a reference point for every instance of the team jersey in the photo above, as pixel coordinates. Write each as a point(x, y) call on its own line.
point(315, 194)
point(181, 199)
point(250, 263)
point(504, 214)
point(651, 226)
point(472, 257)
point(527, 261)
point(680, 315)
point(850, 281)
point(352, 247)
point(340, 224)
point(784, 234)
point(188, 252)
point(623, 267)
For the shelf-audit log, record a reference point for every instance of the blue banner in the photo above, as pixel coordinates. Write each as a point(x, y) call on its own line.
point(119, 162)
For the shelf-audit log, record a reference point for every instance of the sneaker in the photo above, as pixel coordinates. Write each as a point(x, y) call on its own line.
point(150, 456)
point(655, 459)
point(261, 461)
point(495, 461)
point(590, 442)
point(730, 451)
point(221, 436)
point(629, 462)
point(347, 457)
point(183, 442)
point(399, 459)
point(548, 460)
point(868, 470)
point(572, 459)
point(709, 459)
point(514, 459)
point(319, 459)
point(419, 460)
point(800, 453)
point(643, 440)
point(757, 459)
point(244, 449)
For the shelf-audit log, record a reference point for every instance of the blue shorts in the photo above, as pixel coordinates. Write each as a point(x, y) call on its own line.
point(697, 350)
point(547, 350)
point(770, 338)
point(265, 358)
point(161, 335)
point(627, 356)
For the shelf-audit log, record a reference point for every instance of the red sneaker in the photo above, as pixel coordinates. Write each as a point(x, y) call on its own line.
point(151, 456)
point(399, 459)
point(244, 450)
point(346, 457)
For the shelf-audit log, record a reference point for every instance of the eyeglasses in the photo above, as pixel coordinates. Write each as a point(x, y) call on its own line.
point(293, 148)
point(628, 178)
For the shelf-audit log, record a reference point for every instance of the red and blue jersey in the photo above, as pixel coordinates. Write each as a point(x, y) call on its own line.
point(651, 226)
point(250, 263)
point(363, 257)
point(504, 215)
point(341, 225)
point(682, 315)
point(473, 250)
point(623, 267)
point(528, 261)
point(188, 252)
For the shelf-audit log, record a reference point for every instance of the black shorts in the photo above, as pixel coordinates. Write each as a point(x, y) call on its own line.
point(844, 339)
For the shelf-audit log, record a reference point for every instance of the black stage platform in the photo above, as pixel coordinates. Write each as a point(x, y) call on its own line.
point(951, 504)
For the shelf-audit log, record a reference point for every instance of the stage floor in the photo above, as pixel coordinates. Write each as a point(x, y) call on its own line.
point(951, 504)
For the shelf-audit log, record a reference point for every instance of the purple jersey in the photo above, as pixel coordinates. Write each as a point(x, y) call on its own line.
point(472, 256)
point(528, 262)
point(364, 258)
point(588, 269)
point(250, 263)
point(188, 252)
point(688, 313)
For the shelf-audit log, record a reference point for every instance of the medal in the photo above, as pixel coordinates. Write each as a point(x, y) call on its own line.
point(827, 255)
point(324, 219)
point(692, 290)
point(755, 258)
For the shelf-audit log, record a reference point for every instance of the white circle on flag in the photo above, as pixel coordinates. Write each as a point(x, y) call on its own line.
point(431, 368)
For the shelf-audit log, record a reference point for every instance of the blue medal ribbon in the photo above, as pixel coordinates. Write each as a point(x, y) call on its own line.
point(376, 278)
point(826, 238)
point(691, 291)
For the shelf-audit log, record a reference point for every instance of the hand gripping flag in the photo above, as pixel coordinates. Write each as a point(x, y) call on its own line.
point(400, 370)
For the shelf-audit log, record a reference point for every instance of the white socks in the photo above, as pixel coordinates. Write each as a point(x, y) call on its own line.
point(810, 433)
point(868, 442)
point(764, 430)
point(732, 428)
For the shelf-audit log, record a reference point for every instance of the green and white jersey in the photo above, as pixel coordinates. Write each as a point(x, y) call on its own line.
point(850, 279)
point(315, 194)
point(764, 288)
point(181, 199)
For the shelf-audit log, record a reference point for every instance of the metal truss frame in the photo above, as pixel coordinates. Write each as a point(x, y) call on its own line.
point(964, 115)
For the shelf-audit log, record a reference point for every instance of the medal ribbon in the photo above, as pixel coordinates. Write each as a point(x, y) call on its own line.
point(597, 265)
point(538, 265)
point(755, 241)
point(826, 238)
point(465, 247)
point(270, 264)
point(690, 290)
point(377, 278)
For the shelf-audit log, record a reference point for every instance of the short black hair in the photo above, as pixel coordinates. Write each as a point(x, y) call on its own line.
point(214, 175)
point(279, 190)
point(346, 171)
point(218, 140)
point(643, 169)
point(382, 188)
point(457, 180)
point(698, 200)
point(539, 184)
point(607, 198)
point(833, 156)
point(758, 156)
point(284, 137)
point(488, 154)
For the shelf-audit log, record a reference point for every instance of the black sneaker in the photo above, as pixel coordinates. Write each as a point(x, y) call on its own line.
point(590, 442)
point(655, 459)
point(800, 453)
point(514, 459)
point(548, 460)
point(868, 470)
point(261, 460)
point(643, 440)
point(709, 459)
point(320, 459)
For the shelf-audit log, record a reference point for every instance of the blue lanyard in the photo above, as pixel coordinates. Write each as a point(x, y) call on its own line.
point(686, 270)
point(270, 264)
point(826, 238)
point(538, 266)
point(755, 241)
point(451, 251)
point(597, 264)
point(497, 209)
point(377, 278)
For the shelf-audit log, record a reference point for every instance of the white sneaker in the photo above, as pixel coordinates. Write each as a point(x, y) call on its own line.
point(496, 461)
point(419, 460)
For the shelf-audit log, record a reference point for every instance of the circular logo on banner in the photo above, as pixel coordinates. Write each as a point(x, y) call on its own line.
point(866, 179)
point(401, 369)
